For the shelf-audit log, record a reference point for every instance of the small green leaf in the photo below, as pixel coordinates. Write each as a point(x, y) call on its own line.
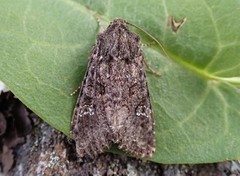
point(196, 100)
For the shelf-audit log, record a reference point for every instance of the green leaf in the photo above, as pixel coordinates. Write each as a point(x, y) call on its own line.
point(196, 100)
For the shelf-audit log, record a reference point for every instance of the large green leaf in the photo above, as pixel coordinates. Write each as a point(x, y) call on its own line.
point(196, 100)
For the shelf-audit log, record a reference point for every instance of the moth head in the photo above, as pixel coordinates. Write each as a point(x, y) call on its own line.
point(117, 41)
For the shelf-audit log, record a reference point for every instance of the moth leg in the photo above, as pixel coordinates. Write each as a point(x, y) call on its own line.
point(75, 91)
point(150, 69)
point(149, 44)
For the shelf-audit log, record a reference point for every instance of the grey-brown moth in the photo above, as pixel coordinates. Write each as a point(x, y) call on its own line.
point(114, 105)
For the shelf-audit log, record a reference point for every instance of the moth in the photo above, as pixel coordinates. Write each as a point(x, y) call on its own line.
point(113, 104)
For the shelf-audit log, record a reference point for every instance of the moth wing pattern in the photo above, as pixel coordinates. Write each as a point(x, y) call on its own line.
point(136, 134)
point(89, 126)
point(114, 104)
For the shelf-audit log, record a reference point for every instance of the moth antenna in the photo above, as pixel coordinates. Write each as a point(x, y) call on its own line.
point(149, 35)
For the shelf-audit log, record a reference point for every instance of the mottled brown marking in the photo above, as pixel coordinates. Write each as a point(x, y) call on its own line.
point(114, 105)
